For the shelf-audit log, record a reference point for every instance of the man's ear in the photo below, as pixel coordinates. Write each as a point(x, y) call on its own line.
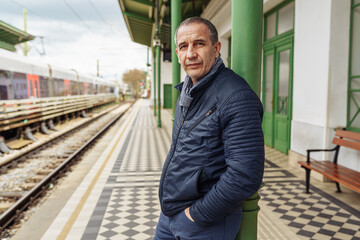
point(217, 48)
point(177, 55)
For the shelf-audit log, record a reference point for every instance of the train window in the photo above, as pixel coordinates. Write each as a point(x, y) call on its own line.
point(20, 85)
point(90, 88)
point(59, 87)
point(5, 85)
point(73, 88)
point(44, 86)
point(81, 88)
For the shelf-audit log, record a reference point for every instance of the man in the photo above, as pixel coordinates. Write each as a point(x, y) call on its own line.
point(216, 158)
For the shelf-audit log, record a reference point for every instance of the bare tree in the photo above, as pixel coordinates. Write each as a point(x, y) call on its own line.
point(133, 78)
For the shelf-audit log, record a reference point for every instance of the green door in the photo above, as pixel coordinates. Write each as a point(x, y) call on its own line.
point(283, 97)
point(167, 95)
point(277, 96)
point(268, 102)
point(277, 75)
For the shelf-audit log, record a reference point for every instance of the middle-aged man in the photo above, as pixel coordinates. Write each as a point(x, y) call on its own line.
point(216, 158)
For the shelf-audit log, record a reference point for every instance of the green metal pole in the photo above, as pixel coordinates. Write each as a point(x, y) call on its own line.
point(25, 30)
point(157, 49)
point(248, 227)
point(175, 21)
point(154, 85)
point(246, 48)
point(247, 18)
point(97, 68)
point(159, 84)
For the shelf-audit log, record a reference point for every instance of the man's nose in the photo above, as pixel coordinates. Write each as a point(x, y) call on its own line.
point(191, 52)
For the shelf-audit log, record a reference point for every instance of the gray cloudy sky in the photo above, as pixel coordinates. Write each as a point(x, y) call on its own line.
point(76, 33)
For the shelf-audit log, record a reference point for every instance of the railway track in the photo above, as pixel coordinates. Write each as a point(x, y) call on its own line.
point(23, 180)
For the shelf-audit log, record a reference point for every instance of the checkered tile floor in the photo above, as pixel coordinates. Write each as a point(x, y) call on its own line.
point(311, 216)
point(132, 213)
point(128, 207)
point(131, 191)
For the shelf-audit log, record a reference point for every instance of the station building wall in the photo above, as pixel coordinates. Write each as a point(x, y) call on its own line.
point(166, 78)
point(320, 72)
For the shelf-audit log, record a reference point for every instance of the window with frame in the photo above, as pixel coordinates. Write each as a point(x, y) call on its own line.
point(353, 110)
point(279, 21)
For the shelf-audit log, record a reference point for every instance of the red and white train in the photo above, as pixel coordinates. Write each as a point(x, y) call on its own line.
point(21, 78)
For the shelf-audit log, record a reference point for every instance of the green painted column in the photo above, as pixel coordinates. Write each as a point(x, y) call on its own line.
point(158, 66)
point(25, 30)
point(246, 45)
point(154, 85)
point(246, 48)
point(157, 45)
point(175, 21)
point(248, 227)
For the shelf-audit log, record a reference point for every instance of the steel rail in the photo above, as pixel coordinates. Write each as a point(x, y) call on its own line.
point(53, 139)
point(7, 218)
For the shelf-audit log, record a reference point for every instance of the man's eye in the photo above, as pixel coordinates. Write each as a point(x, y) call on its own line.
point(182, 47)
point(199, 44)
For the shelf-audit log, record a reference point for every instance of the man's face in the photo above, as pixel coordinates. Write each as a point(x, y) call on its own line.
point(195, 51)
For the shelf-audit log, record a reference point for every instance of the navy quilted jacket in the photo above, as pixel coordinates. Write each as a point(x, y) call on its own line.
point(216, 158)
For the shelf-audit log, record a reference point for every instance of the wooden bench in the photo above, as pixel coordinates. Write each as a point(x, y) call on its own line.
point(333, 170)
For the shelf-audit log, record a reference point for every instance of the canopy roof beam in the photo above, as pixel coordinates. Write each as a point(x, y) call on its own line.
point(139, 17)
point(148, 3)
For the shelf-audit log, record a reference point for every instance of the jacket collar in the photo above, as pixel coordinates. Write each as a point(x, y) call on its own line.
point(201, 84)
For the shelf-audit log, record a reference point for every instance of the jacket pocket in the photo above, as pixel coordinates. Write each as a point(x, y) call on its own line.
point(211, 111)
point(185, 188)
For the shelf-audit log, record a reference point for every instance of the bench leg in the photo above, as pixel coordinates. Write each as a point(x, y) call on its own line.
point(338, 187)
point(307, 177)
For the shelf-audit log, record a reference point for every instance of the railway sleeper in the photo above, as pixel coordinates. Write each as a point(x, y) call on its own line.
point(12, 195)
point(44, 172)
point(34, 179)
point(5, 206)
point(28, 185)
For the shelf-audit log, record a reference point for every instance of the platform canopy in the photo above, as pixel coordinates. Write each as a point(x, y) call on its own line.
point(10, 36)
point(139, 16)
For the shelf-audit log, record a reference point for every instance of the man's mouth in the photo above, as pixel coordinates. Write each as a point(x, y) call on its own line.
point(192, 65)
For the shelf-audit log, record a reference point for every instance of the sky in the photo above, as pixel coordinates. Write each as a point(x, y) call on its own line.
point(74, 34)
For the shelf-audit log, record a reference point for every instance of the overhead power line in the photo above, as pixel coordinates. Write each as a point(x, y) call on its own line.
point(103, 19)
point(98, 13)
point(77, 15)
point(46, 19)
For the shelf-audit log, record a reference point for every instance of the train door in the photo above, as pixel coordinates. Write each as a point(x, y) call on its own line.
point(33, 86)
point(67, 87)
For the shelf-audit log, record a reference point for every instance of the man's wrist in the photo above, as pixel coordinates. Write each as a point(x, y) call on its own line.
point(187, 214)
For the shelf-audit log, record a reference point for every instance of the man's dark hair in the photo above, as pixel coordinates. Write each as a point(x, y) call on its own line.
point(212, 29)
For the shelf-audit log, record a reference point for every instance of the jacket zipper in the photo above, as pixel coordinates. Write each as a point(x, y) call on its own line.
point(177, 137)
point(167, 165)
point(201, 119)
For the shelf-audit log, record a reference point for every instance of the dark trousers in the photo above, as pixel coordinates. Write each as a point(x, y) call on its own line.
point(180, 227)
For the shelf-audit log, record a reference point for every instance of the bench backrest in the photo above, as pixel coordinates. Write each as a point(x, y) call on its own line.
point(347, 139)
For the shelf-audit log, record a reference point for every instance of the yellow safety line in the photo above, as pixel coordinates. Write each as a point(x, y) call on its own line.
point(65, 231)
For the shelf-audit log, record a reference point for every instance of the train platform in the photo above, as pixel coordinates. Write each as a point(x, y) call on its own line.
point(114, 192)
